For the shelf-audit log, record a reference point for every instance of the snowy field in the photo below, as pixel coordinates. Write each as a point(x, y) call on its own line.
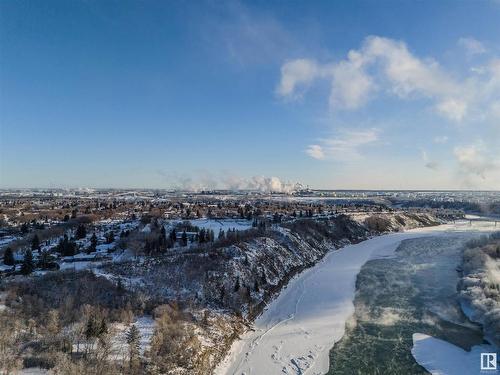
point(119, 347)
point(224, 224)
point(296, 331)
point(4, 241)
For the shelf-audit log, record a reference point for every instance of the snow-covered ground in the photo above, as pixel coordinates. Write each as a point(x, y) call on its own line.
point(224, 224)
point(439, 357)
point(4, 241)
point(297, 330)
point(79, 266)
point(2, 301)
point(33, 371)
point(145, 324)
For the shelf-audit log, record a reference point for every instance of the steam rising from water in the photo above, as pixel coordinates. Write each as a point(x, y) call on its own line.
point(206, 181)
point(263, 184)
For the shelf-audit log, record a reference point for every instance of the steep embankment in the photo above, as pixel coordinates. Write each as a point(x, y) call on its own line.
point(239, 279)
point(297, 329)
point(241, 276)
point(480, 285)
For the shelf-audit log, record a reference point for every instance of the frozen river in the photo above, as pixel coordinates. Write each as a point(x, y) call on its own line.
point(296, 332)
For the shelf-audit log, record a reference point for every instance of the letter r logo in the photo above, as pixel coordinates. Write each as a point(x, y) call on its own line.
point(488, 361)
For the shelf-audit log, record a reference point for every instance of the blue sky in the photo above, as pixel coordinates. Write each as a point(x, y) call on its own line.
point(347, 94)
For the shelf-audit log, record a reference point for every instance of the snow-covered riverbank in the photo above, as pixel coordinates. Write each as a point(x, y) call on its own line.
point(295, 333)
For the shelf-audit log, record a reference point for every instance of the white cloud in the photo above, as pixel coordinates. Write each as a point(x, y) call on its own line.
point(472, 46)
point(295, 73)
point(406, 73)
point(453, 109)
point(345, 146)
point(316, 152)
point(384, 65)
point(430, 164)
point(351, 85)
point(387, 67)
point(441, 139)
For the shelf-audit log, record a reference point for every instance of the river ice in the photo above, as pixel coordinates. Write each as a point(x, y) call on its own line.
point(295, 333)
point(439, 357)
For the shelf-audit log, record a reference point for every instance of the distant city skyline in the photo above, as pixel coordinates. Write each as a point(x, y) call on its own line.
point(202, 95)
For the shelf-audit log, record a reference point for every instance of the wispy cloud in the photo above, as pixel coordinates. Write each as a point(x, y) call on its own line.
point(430, 164)
point(440, 139)
point(316, 152)
point(384, 65)
point(345, 146)
point(246, 35)
point(300, 72)
point(452, 108)
point(472, 46)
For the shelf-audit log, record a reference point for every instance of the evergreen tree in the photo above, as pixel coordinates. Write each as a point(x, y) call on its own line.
point(24, 228)
point(81, 232)
point(119, 286)
point(44, 260)
point(184, 239)
point(66, 247)
point(237, 284)
point(8, 257)
point(173, 235)
point(103, 328)
point(27, 266)
point(161, 243)
point(201, 236)
point(147, 248)
point(35, 243)
point(133, 337)
point(92, 329)
point(221, 234)
point(110, 237)
point(93, 242)
point(61, 244)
